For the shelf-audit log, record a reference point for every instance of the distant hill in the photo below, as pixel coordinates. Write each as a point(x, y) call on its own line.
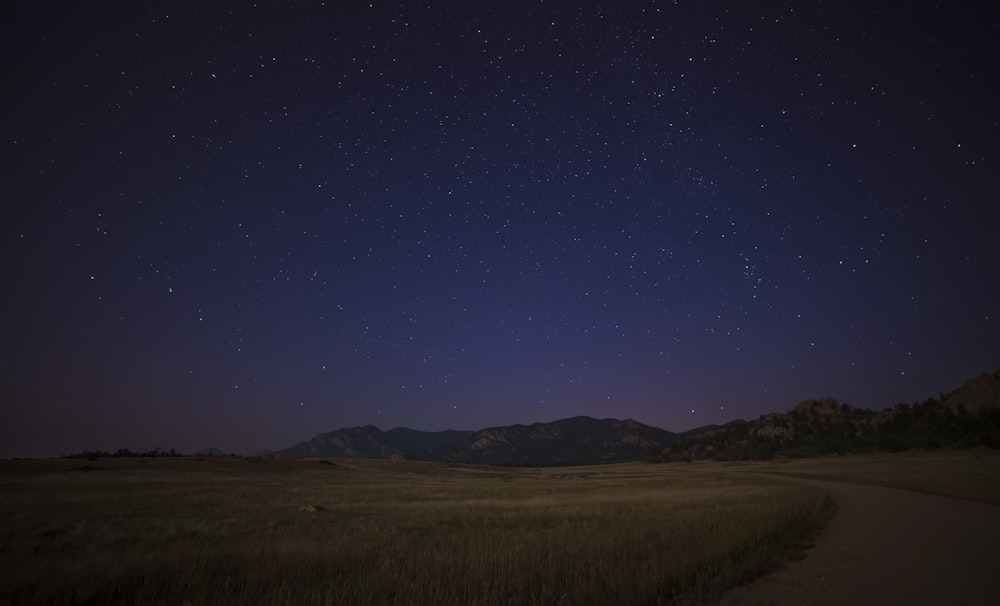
point(567, 441)
point(966, 417)
point(577, 440)
point(978, 393)
point(210, 452)
point(371, 442)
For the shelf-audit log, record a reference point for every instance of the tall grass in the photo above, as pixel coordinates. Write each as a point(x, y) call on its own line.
point(379, 532)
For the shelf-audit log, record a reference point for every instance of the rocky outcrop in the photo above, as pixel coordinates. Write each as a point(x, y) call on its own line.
point(967, 417)
point(978, 393)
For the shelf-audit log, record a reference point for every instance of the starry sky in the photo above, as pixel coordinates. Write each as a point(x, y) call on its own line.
point(240, 225)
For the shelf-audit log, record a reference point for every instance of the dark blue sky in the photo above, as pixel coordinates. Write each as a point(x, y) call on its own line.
point(241, 226)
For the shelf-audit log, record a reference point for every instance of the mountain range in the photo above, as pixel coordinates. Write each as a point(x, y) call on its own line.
point(966, 417)
point(573, 441)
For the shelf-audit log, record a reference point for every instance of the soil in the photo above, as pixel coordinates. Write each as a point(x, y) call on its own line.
point(890, 546)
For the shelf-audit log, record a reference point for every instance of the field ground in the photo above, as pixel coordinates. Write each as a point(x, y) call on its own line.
point(224, 530)
point(965, 474)
point(220, 530)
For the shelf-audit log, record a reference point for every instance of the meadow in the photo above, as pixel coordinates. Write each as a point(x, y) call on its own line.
point(972, 474)
point(189, 531)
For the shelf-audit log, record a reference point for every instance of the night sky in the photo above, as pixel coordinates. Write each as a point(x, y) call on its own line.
point(239, 225)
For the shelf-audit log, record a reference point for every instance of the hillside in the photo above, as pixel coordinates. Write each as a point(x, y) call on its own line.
point(567, 441)
point(964, 418)
point(571, 441)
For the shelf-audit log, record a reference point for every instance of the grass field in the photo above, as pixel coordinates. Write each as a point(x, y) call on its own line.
point(239, 531)
point(965, 474)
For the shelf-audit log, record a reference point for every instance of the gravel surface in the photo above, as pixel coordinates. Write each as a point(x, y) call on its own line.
point(890, 546)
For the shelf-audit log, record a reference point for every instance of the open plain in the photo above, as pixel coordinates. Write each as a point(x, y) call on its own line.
point(221, 530)
point(241, 531)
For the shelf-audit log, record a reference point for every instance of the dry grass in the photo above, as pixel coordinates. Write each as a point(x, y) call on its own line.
point(229, 531)
point(966, 474)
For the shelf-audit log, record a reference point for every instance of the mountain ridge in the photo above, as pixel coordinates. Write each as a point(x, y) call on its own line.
point(574, 440)
point(965, 417)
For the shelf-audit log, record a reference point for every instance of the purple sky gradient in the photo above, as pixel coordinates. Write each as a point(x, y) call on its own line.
point(242, 226)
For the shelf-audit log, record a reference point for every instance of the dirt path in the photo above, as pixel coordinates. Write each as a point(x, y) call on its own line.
point(890, 546)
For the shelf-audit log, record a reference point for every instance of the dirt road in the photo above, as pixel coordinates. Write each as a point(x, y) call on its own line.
point(890, 546)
